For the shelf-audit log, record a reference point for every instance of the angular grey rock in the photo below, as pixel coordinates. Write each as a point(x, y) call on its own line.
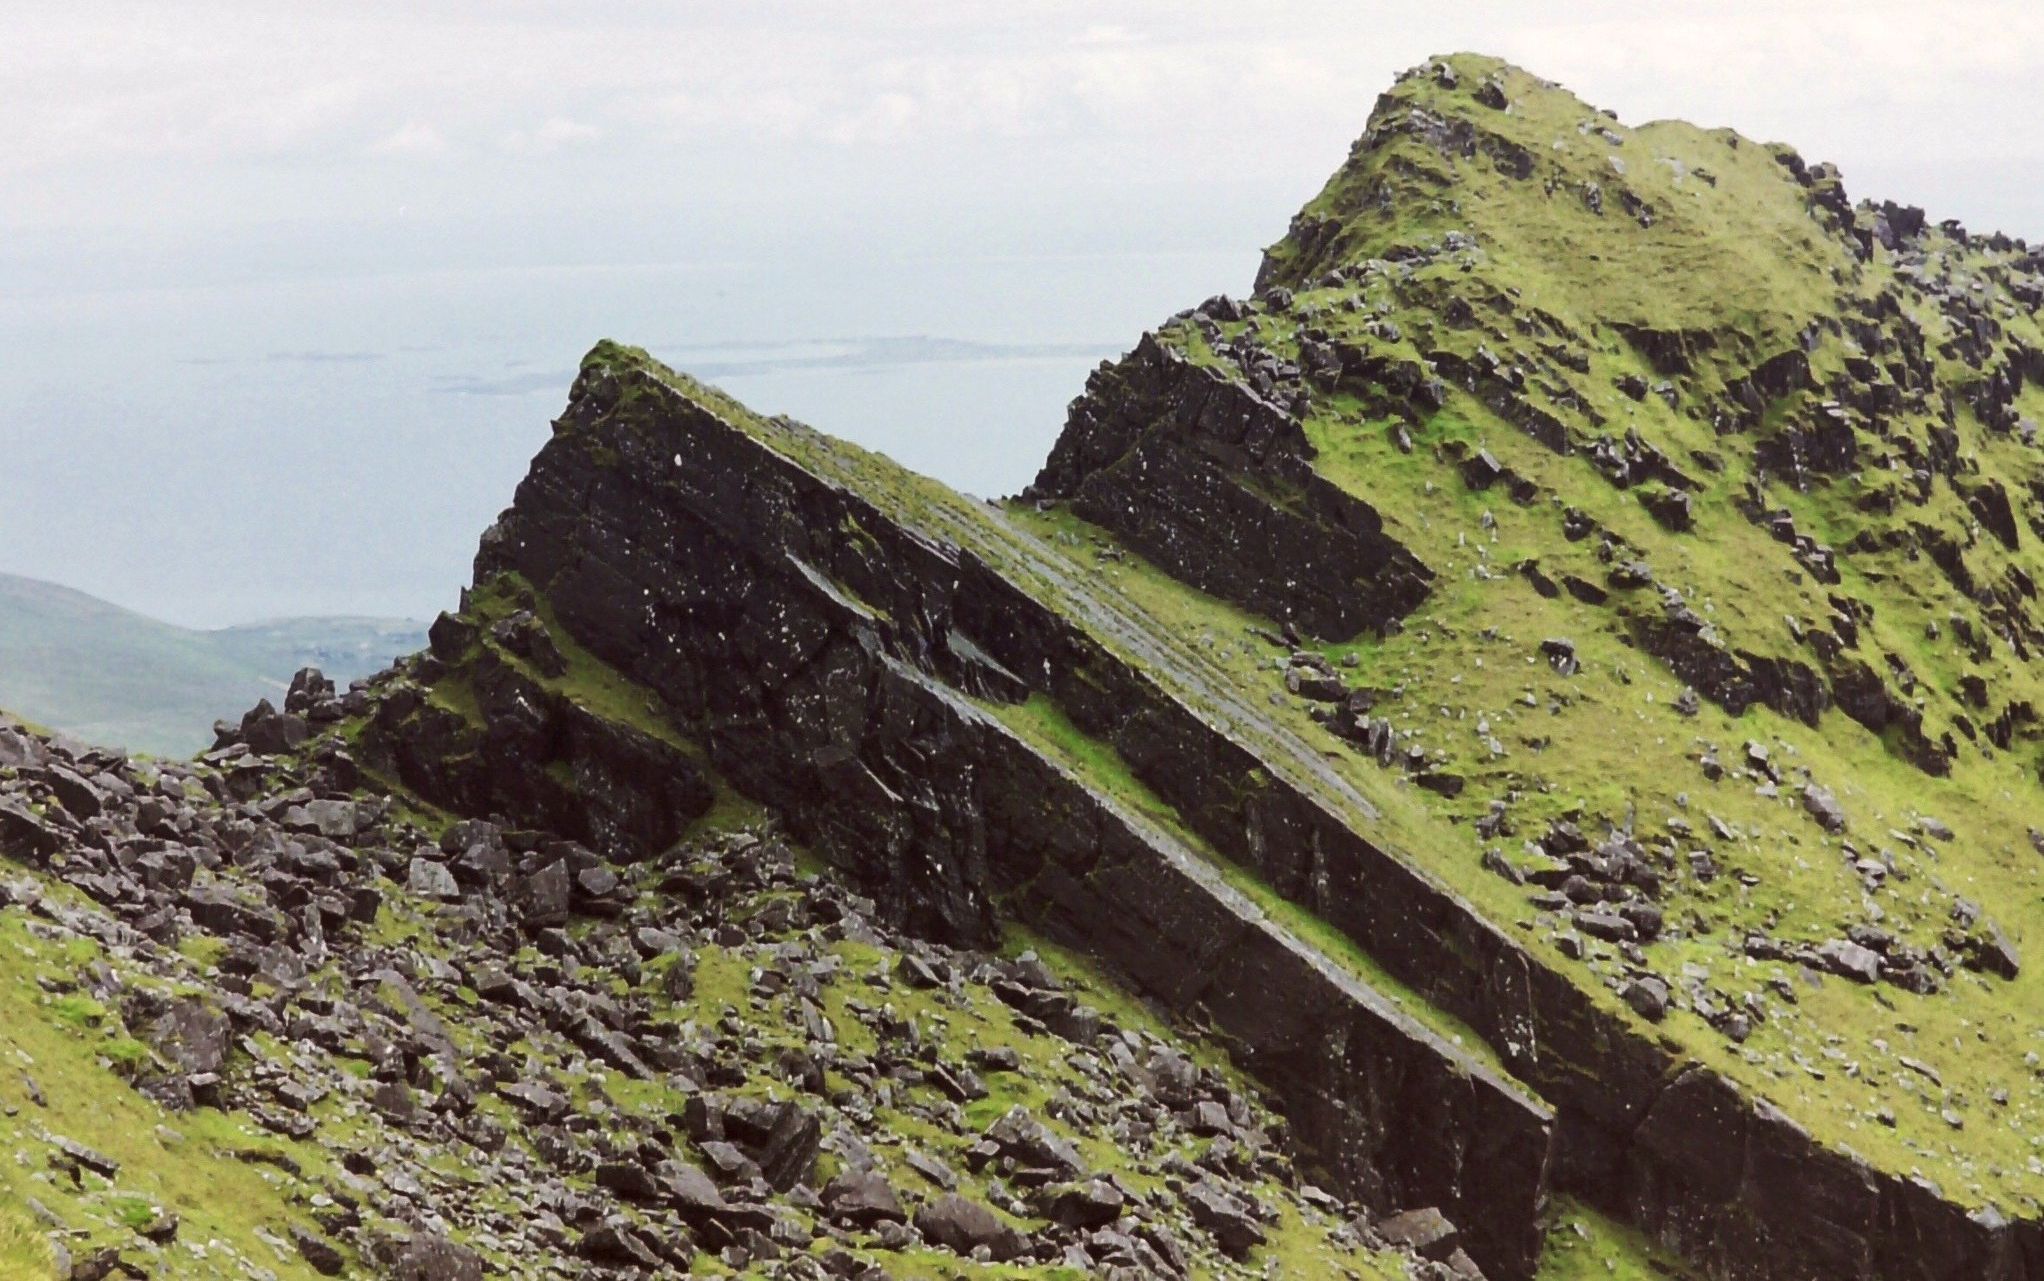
point(430, 879)
point(193, 1035)
point(862, 1198)
point(1426, 1232)
point(961, 1226)
point(1991, 949)
point(1824, 807)
point(1648, 996)
point(1024, 1139)
point(1849, 960)
point(1225, 1216)
point(1094, 1203)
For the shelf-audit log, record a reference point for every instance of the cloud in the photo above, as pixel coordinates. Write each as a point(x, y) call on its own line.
point(936, 94)
point(412, 140)
point(1107, 33)
point(557, 134)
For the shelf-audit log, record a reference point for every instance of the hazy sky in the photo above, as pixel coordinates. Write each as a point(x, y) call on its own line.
point(253, 256)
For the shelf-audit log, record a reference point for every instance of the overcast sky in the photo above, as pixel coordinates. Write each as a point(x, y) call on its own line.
point(154, 148)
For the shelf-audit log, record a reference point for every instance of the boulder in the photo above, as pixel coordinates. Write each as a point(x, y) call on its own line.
point(317, 1252)
point(1648, 997)
point(26, 836)
point(1824, 807)
point(628, 1180)
point(1560, 655)
point(862, 1199)
point(429, 879)
point(962, 1226)
point(1426, 1232)
point(616, 1241)
point(1989, 948)
point(1225, 1215)
point(1094, 1203)
point(192, 1034)
point(1025, 1140)
point(1849, 960)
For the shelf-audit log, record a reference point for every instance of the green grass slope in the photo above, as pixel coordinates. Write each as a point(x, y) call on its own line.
point(1537, 258)
point(110, 676)
point(64, 1066)
point(1627, 321)
point(1206, 653)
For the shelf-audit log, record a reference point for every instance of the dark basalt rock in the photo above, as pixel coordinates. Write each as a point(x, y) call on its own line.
point(1824, 444)
point(1669, 351)
point(1426, 1232)
point(826, 676)
point(823, 672)
point(1226, 1216)
point(962, 1226)
point(862, 1199)
point(1177, 459)
point(1989, 502)
point(1991, 949)
point(317, 1253)
point(193, 1036)
point(269, 731)
point(1674, 508)
point(26, 836)
point(1734, 680)
point(531, 754)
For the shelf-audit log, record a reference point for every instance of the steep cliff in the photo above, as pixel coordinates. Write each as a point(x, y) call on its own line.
point(1536, 701)
point(1637, 529)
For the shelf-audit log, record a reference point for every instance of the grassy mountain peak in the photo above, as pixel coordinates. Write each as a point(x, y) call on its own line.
point(1667, 225)
point(1546, 687)
point(1721, 686)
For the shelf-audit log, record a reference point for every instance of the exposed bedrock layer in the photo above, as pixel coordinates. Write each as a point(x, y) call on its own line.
point(839, 663)
point(515, 748)
point(836, 665)
point(1215, 484)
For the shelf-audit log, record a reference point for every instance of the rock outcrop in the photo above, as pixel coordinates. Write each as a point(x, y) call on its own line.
point(1502, 682)
point(655, 1064)
point(1179, 460)
point(831, 650)
point(846, 669)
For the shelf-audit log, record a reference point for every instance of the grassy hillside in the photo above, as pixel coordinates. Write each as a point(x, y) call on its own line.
point(1721, 700)
point(1766, 465)
point(110, 676)
point(1700, 747)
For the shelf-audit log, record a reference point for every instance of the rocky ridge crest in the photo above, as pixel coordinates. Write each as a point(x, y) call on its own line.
point(1545, 683)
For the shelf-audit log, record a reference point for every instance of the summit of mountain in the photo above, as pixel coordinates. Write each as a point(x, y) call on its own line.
point(1518, 742)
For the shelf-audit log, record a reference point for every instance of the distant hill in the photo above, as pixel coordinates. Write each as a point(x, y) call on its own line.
point(110, 676)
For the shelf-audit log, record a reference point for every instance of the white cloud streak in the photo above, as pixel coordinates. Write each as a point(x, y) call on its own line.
point(413, 140)
point(1141, 89)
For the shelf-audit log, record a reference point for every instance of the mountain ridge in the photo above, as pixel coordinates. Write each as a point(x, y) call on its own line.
point(1542, 690)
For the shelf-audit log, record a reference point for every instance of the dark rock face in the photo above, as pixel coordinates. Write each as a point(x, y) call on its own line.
point(829, 677)
point(1733, 680)
point(529, 754)
point(1179, 460)
point(559, 1180)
